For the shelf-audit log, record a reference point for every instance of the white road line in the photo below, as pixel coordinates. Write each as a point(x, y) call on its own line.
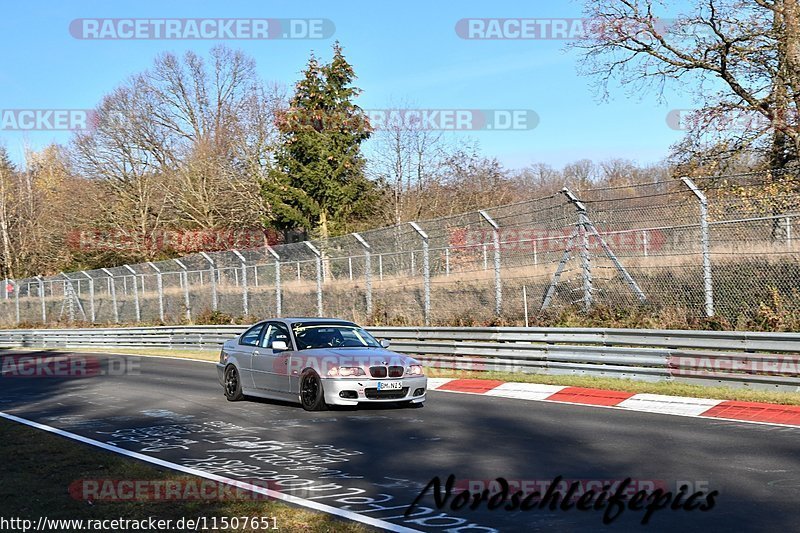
point(349, 515)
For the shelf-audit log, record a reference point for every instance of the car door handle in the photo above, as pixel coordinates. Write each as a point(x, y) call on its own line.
point(255, 352)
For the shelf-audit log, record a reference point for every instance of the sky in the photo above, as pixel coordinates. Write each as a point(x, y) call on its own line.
point(407, 54)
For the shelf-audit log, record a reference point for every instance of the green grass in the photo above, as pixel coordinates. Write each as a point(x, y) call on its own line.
point(38, 468)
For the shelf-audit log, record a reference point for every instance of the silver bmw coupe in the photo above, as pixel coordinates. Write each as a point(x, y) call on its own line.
point(317, 362)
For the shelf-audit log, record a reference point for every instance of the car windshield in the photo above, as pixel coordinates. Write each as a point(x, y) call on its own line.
point(310, 336)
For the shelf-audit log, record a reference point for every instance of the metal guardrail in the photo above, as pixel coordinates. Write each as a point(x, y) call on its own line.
point(739, 359)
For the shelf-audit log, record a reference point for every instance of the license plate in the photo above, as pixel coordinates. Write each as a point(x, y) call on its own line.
point(390, 385)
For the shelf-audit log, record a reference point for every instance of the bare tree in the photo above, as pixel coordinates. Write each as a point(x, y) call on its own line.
point(410, 159)
point(741, 59)
point(182, 144)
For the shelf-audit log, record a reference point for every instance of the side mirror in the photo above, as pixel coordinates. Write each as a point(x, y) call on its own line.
point(279, 346)
point(386, 343)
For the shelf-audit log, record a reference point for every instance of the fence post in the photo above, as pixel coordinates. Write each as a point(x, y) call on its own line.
point(789, 232)
point(112, 288)
point(278, 303)
point(586, 265)
point(318, 256)
point(16, 300)
point(426, 272)
point(214, 301)
point(708, 285)
point(91, 295)
point(525, 303)
point(136, 293)
point(160, 288)
point(245, 306)
point(368, 271)
point(498, 288)
point(41, 297)
point(185, 284)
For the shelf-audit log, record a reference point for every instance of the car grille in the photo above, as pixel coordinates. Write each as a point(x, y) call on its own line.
point(375, 394)
point(377, 371)
point(382, 371)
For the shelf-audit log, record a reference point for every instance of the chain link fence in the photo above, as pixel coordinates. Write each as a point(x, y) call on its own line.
point(712, 246)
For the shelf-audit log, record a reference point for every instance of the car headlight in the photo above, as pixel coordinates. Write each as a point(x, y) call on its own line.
point(223, 357)
point(346, 371)
point(414, 370)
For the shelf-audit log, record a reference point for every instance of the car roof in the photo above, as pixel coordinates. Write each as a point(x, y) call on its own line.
point(315, 320)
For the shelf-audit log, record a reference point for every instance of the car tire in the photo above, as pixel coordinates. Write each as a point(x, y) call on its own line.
point(233, 384)
point(312, 396)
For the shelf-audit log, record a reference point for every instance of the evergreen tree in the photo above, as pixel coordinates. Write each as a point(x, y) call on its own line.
point(318, 180)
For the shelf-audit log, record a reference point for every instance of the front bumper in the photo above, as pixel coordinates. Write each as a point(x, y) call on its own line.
point(366, 390)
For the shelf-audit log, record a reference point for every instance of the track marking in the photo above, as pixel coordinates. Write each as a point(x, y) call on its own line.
point(342, 513)
point(709, 409)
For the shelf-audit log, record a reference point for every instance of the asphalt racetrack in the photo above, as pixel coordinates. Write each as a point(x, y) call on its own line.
point(375, 461)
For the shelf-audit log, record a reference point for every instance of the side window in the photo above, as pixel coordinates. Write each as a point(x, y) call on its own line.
point(250, 337)
point(277, 332)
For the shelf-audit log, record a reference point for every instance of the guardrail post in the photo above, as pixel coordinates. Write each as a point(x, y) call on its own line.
point(41, 297)
point(245, 306)
point(368, 271)
point(708, 286)
point(136, 293)
point(278, 303)
point(426, 272)
point(91, 296)
point(214, 301)
point(113, 290)
point(318, 257)
point(160, 287)
point(498, 288)
point(185, 284)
